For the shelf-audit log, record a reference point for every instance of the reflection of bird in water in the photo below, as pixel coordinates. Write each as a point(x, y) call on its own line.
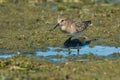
point(76, 43)
point(71, 27)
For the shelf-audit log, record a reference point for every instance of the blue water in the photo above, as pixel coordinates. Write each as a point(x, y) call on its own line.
point(96, 50)
point(6, 55)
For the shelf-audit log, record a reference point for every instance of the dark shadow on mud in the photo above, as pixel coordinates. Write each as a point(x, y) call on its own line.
point(76, 44)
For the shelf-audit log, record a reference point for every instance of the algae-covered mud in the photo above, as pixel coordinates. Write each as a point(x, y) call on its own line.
point(29, 50)
point(96, 68)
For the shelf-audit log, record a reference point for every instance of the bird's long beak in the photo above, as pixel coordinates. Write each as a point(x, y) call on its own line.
point(56, 25)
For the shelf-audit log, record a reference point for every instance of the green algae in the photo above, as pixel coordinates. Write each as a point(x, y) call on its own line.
point(21, 67)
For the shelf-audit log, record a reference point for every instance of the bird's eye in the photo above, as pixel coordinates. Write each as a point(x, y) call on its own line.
point(62, 20)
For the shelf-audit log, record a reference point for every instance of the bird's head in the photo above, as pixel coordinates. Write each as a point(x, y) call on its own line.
point(61, 21)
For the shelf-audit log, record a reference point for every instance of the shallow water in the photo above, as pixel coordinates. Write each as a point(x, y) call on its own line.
point(96, 50)
point(51, 51)
point(63, 52)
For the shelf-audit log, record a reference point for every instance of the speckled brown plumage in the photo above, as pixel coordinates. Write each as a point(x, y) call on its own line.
point(71, 27)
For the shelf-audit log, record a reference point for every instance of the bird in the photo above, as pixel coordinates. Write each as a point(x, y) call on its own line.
point(71, 27)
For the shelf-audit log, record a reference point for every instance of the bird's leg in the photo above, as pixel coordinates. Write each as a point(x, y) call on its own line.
point(78, 50)
point(69, 51)
point(70, 37)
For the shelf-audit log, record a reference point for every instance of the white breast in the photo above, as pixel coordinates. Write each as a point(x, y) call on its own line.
point(63, 28)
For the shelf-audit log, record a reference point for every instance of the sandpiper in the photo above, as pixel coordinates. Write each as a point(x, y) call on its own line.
point(71, 27)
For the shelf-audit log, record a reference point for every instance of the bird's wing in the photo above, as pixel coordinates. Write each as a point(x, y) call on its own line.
point(80, 26)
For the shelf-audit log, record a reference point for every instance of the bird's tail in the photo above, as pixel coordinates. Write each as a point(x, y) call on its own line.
point(88, 23)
